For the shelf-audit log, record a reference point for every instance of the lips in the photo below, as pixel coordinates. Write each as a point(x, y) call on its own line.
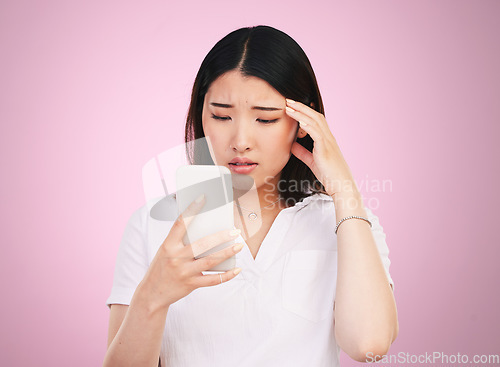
point(241, 162)
point(242, 165)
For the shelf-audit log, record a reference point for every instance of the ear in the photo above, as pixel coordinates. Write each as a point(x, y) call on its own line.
point(301, 133)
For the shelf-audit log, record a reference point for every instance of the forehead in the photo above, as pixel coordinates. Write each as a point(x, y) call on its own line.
point(232, 86)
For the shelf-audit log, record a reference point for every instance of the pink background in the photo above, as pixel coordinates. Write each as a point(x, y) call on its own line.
point(92, 90)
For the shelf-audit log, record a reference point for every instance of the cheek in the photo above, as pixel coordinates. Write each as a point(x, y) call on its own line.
point(217, 142)
point(214, 135)
point(208, 129)
point(290, 130)
point(281, 142)
point(288, 135)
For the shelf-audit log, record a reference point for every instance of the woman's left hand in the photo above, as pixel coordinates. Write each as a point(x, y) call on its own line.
point(326, 160)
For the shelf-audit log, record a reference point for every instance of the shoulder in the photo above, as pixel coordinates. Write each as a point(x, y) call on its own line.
point(322, 204)
point(140, 215)
point(316, 210)
point(310, 225)
point(162, 209)
point(315, 204)
point(137, 221)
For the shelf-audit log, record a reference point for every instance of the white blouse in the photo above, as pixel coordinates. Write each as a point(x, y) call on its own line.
point(277, 312)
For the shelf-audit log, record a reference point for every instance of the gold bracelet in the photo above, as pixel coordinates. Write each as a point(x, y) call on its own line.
point(351, 217)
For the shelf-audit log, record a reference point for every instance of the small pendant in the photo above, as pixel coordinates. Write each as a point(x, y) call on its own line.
point(252, 216)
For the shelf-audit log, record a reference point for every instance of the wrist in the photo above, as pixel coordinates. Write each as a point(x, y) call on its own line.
point(340, 186)
point(146, 299)
point(347, 195)
point(348, 203)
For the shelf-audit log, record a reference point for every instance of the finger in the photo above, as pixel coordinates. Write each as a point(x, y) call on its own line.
point(209, 261)
point(307, 124)
point(180, 225)
point(210, 280)
point(306, 110)
point(312, 116)
point(303, 154)
point(299, 116)
point(208, 242)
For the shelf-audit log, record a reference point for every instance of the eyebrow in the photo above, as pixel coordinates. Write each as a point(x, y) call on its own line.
point(224, 105)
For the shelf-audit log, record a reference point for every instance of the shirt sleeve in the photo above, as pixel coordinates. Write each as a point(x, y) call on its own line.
point(383, 249)
point(132, 260)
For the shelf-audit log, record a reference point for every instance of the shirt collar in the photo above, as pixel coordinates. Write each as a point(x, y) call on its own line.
point(308, 200)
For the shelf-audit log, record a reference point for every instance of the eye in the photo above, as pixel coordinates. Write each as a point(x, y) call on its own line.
point(267, 121)
point(221, 118)
point(215, 117)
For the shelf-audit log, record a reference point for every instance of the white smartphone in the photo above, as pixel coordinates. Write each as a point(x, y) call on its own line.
point(217, 213)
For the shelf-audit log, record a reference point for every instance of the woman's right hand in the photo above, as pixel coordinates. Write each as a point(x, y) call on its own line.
point(174, 271)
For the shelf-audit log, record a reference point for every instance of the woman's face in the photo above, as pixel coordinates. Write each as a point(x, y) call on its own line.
point(250, 132)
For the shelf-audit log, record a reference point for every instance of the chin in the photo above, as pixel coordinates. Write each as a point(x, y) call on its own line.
point(242, 182)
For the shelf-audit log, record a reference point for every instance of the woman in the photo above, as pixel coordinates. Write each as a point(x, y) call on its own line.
point(311, 278)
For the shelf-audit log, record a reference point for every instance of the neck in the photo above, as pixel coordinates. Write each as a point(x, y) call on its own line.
point(257, 198)
point(254, 208)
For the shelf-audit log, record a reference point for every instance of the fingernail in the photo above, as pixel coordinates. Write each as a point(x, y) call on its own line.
point(236, 271)
point(237, 247)
point(234, 232)
point(200, 198)
point(290, 100)
point(302, 123)
point(290, 109)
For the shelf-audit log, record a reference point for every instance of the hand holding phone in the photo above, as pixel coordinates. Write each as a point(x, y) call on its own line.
point(214, 182)
point(173, 274)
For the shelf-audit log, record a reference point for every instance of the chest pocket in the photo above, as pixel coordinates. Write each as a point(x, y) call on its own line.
point(309, 283)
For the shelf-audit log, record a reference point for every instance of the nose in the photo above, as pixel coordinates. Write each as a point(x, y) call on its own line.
point(243, 137)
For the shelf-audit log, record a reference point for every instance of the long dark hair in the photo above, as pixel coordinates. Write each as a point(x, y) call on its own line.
point(269, 54)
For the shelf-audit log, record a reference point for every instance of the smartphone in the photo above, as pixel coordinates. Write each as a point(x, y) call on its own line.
point(217, 213)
